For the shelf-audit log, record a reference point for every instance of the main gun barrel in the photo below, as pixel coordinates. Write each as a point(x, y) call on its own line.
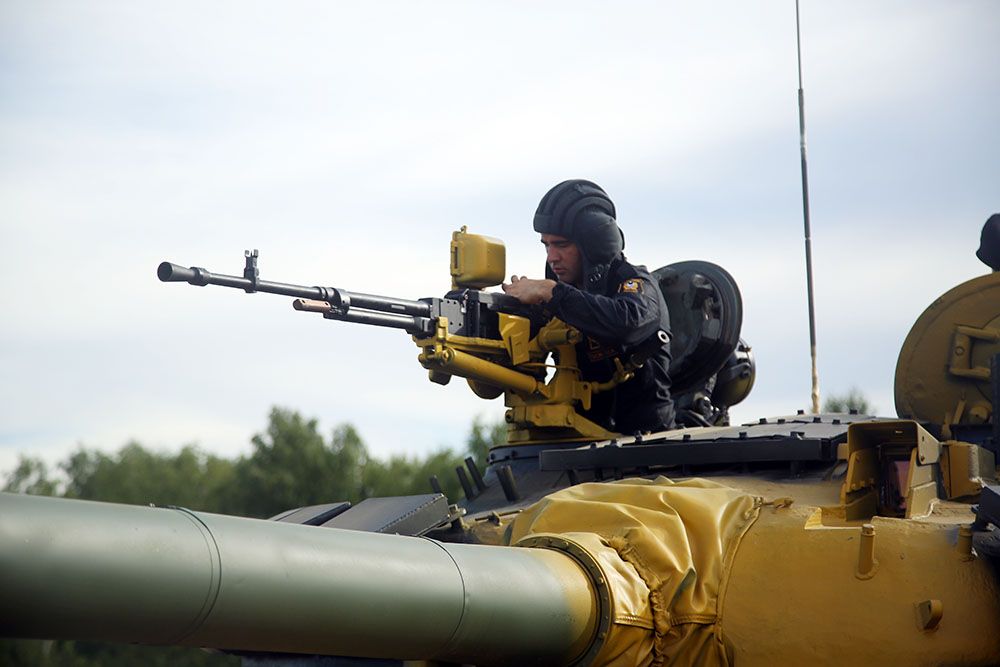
point(87, 570)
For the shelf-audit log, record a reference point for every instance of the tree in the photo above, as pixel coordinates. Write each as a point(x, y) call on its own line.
point(350, 459)
point(30, 476)
point(402, 475)
point(293, 466)
point(852, 400)
point(138, 476)
point(484, 436)
point(65, 653)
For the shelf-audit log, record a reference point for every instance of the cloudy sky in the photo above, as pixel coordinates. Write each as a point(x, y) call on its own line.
point(346, 141)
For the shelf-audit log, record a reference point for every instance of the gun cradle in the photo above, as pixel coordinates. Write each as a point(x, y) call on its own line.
point(515, 365)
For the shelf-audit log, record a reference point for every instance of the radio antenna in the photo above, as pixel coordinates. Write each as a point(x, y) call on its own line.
point(805, 219)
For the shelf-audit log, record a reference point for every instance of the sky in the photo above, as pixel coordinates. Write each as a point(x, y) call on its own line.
point(347, 140)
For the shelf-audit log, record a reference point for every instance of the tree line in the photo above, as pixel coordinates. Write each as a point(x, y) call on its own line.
point(291, 464)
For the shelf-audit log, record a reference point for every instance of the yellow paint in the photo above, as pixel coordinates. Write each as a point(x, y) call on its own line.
point(794, 596)
point(697, 573)
point(476, 261)
point(540, 410)
point(945, 359)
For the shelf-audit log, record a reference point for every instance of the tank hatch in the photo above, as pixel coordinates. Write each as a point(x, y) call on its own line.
point(943, 373)
point(706, 314)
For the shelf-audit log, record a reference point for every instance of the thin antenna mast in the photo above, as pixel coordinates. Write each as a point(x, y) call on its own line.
point(805, 218)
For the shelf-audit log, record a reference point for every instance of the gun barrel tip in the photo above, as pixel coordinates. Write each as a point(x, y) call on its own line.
point(164, 271)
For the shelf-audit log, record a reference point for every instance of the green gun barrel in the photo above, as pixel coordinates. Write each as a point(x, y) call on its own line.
point(87, 570)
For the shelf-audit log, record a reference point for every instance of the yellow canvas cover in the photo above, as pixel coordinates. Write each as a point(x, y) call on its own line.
point(665, 549)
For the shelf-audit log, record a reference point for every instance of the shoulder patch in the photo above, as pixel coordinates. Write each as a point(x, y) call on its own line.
point(633, 285)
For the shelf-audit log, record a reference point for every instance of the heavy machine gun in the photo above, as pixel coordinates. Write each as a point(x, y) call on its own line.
point(498, 345)
point(417, 317)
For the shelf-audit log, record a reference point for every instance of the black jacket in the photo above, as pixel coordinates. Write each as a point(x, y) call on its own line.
point(630, 310)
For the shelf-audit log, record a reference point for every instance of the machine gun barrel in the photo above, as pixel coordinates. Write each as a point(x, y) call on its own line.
point(409, 315)
point(88, 570)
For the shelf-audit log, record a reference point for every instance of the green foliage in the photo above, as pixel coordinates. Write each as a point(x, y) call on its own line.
point(852, 400)
point(292, 466)
point(47, 653)
point(30, 476)
point(482, 437)
point(402, 475)
point(136, 475)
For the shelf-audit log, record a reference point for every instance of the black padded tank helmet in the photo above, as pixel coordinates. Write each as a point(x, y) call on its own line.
point(582, 212)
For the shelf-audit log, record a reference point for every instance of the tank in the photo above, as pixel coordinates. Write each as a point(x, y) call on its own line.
point(801, 538)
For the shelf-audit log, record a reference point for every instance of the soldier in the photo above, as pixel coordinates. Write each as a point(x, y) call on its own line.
point(616, 305)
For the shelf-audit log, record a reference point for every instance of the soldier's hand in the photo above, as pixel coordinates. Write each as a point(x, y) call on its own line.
point(528, 290)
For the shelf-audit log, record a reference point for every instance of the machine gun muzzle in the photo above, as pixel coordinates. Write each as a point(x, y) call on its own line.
point(169, 272)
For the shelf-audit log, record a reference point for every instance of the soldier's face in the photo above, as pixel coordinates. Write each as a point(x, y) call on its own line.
point(563, 257)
